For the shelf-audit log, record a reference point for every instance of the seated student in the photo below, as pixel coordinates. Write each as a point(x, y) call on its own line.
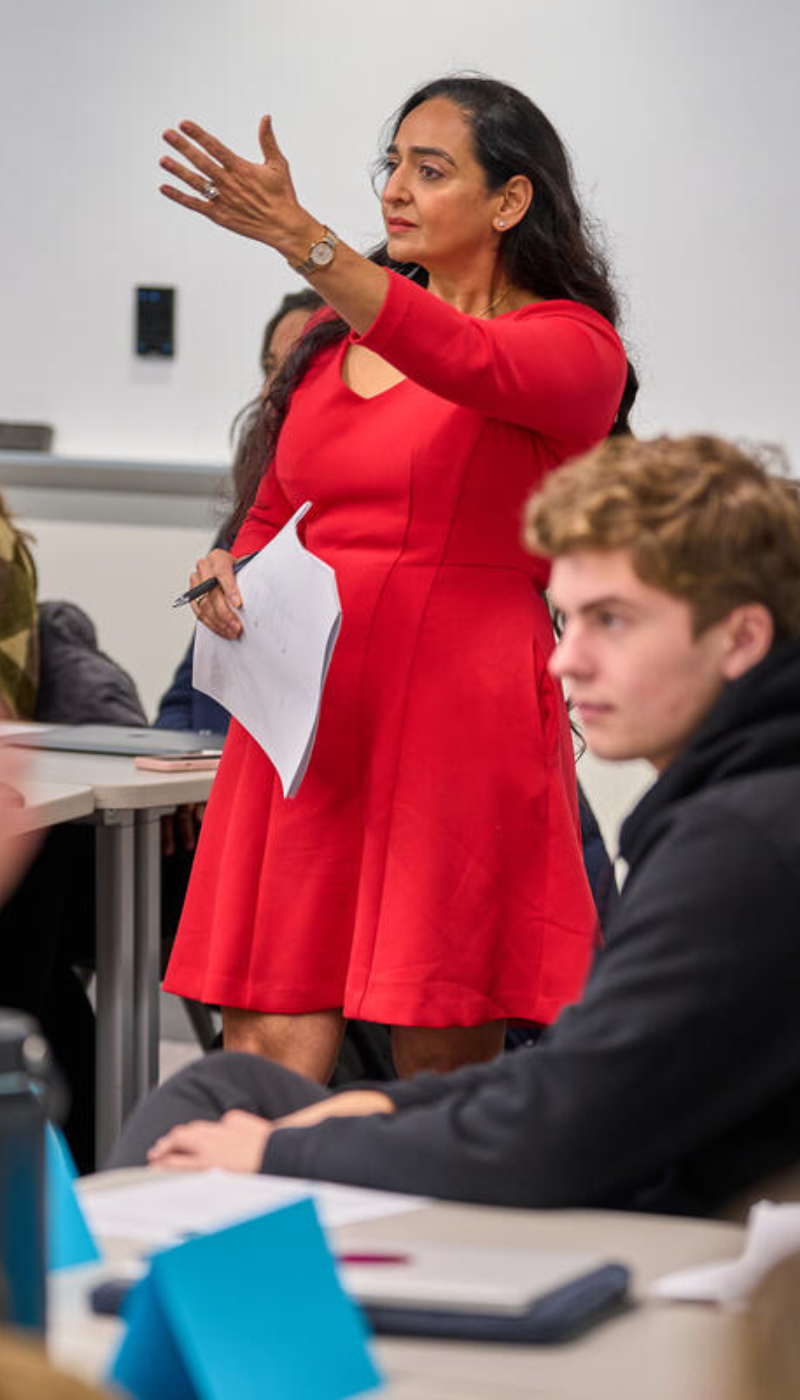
point(52, 669)
point(675, 1082)
point(19, 635)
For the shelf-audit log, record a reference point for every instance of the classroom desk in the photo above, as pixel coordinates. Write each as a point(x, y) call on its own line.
point(657, 1351)
point(47, 804)
point(128, 803)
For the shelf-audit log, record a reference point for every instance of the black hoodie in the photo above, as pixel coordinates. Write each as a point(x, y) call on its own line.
point(675, 1082)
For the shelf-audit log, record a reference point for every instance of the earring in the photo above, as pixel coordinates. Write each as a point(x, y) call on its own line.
point(501, 223)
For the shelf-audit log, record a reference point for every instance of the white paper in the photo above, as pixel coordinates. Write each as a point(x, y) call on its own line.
point(166, 1209)
point(272, 676)
point(773, 1232)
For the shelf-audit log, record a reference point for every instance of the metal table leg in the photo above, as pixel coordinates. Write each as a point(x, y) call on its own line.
point(114, 904)
point(147, 949)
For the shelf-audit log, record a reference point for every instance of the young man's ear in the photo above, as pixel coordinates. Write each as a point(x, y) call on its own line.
point(749, 634)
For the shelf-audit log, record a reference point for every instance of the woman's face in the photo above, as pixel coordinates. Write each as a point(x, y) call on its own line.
point(284, 338)
point(436, 207)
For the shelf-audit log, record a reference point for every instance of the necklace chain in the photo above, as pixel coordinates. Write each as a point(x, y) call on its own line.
point(493, 304)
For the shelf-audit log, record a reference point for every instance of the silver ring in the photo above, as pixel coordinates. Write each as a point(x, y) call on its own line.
point(210, 190)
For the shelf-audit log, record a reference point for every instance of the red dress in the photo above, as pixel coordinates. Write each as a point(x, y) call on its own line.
point(429, 871)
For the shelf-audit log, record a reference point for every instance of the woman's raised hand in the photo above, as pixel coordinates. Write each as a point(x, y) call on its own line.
point(255, 200)
point(217, 608)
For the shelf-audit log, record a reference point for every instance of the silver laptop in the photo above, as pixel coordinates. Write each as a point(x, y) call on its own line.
point(116, 738)
point(463, 1278)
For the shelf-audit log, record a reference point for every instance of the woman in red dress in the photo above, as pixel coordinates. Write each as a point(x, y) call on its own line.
point(428, 874)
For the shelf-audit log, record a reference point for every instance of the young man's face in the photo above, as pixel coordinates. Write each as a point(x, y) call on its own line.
point(640, 681)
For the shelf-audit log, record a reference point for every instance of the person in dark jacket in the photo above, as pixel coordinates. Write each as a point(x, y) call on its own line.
point(79, 683)
point(675, 1082)
point(47, 927)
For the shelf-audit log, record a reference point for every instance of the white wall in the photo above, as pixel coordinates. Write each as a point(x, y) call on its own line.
point(682, 116)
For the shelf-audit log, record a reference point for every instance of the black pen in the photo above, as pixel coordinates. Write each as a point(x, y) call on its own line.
point(201, 589)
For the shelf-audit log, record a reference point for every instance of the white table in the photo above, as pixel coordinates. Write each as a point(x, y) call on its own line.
point(658, 1351)
point(47, 804)
point(127, 804)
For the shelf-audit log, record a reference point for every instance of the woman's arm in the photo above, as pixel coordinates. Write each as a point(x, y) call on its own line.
point(558, 369)
point(268, 514)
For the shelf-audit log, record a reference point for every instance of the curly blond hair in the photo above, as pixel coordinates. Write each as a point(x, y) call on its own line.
point(702, 519)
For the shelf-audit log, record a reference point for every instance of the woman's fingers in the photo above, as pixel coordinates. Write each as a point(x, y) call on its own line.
point(200, 206)
point(182, 172)
point(255, 200)
point(266, 140)
point(222, 566)
point(211, 169)
point(214, 612)
point(215, 148)
point(217, 608)
point(198, 183)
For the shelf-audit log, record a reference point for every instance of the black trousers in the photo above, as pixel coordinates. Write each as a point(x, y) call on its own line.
point(46, 928)
point(206, 1089)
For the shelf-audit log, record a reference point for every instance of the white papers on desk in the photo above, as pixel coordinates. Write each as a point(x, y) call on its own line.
point(272, 676)
point(773, 1232)
point(165, 1209)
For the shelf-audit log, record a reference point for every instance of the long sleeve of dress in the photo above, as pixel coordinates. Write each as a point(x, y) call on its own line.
point(266, 516)
point(555, 367)
point(643, 1073)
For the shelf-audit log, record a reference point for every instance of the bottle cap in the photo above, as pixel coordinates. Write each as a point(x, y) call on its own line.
point(23, 1049)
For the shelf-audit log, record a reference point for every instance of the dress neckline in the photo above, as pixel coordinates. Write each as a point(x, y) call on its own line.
point(362, 398)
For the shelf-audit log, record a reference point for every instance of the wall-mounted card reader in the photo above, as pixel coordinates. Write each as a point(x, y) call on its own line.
point(155, 321)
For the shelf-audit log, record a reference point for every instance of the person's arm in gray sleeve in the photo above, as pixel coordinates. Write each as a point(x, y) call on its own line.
point(635, 1078)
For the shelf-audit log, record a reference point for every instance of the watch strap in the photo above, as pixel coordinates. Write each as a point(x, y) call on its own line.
point(309, 263)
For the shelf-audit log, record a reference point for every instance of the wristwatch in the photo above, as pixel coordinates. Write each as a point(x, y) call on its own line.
point(320, 254)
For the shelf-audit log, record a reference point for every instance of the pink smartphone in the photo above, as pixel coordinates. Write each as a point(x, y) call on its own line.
point(176, 763)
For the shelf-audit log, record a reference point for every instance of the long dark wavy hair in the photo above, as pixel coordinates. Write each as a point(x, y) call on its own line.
point(250, 427)
point(551, 252)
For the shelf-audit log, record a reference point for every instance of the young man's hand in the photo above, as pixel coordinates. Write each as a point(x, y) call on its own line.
point(237, 1142)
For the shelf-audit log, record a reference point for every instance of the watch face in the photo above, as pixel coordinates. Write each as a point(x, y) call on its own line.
point(321, 254)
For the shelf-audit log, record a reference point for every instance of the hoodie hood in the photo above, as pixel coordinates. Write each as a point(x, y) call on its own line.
point(754, 727)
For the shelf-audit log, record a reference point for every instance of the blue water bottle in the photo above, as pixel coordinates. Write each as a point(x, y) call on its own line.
point(25, 1085)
